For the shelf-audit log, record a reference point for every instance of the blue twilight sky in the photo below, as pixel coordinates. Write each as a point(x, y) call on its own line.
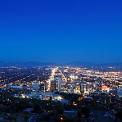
point(61, 30)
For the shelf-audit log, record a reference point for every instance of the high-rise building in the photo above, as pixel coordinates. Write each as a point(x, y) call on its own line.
point(42, 86)
point(35, 85)
point(53, 86)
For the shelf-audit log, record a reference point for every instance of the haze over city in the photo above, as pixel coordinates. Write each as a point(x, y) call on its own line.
point(61, 30)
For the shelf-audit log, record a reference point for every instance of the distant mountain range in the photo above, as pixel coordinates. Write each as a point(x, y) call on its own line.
point(99, 66)
point(80, 64)
point(25, 64)
point(94, 64)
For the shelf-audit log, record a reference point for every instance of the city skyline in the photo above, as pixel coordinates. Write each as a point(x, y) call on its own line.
point(61, 31)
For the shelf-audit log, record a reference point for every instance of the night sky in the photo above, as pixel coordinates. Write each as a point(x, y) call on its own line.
point(61, 30)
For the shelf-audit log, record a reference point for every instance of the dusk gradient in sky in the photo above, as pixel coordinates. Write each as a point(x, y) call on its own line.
point(61, 30)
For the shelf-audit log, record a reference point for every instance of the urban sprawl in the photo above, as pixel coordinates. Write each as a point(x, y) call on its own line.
point(60, 94)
